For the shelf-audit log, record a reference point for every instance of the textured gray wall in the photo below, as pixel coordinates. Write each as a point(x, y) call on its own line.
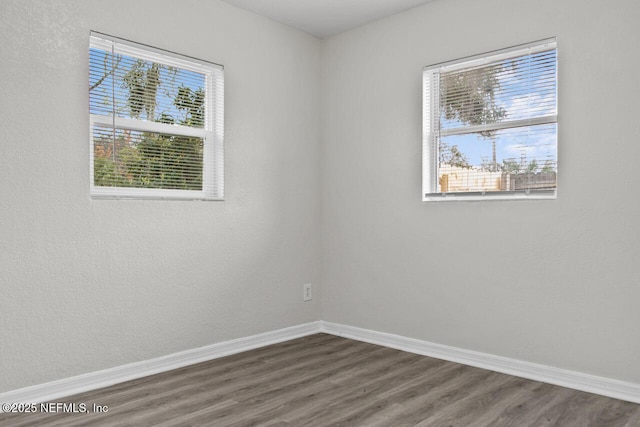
point(551, 282)
point(87, 285)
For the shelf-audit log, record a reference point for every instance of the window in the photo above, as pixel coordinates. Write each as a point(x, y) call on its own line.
point(156, 123)
point(490, 125)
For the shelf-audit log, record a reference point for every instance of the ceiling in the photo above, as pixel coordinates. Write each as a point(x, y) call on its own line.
point(324, 18)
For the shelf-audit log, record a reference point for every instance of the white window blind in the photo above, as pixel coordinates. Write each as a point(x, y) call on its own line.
point(490, 125)
point(156, 123)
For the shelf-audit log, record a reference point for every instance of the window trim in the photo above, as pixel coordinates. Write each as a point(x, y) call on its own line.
point(430, 131)
point(212, 133)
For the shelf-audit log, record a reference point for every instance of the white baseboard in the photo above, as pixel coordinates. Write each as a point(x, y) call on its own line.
point(562, 377)
point(94, 380)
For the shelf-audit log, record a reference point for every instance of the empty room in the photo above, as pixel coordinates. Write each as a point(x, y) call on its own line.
point(319, 213)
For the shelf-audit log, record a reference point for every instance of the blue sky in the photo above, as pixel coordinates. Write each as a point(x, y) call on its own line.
point(525, 143)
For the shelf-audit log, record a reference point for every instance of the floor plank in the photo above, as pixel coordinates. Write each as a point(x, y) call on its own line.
point(324, 380)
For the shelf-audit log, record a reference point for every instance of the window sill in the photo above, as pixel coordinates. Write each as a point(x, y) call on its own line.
point(493, 195)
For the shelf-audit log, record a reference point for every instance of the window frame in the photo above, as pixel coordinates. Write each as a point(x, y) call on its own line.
point(431, 132)
point(212, 133)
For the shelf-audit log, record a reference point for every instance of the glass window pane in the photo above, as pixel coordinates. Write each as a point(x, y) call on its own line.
point(125, 158)
point(518, 88)
point(504, 160)
point(145, 90)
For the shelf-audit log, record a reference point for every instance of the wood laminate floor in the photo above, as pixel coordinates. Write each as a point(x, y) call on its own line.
point(324, 380)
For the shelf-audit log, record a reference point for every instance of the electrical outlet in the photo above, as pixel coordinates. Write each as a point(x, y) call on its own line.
point(307, 294)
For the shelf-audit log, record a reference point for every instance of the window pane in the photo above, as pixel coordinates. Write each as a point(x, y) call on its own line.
point(514, 89)
point(129, 87)
point(125, 158)
point(504, 160)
